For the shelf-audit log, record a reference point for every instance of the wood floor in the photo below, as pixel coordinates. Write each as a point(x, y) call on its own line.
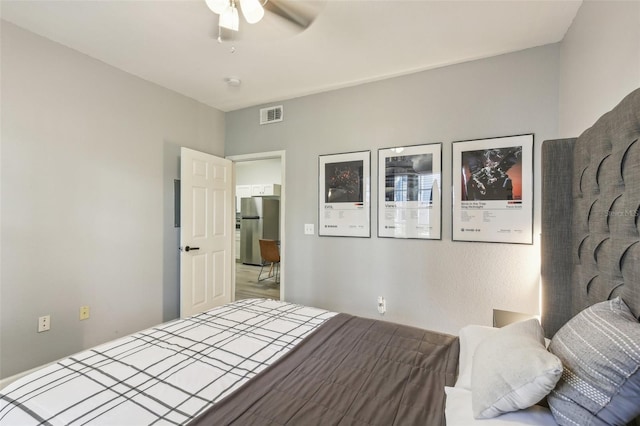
point(248, 287)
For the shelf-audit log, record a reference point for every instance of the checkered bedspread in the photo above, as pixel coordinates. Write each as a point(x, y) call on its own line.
point(164, 375)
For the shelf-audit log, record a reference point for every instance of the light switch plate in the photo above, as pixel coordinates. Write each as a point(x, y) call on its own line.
point(308, 229)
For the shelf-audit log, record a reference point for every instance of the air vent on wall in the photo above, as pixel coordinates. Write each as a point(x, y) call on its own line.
point(271, 114)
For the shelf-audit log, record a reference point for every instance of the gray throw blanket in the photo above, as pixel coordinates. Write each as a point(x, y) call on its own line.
point(351, 371)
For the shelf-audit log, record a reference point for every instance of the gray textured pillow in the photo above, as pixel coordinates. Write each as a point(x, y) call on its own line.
point(512, 370)
point(600, 351)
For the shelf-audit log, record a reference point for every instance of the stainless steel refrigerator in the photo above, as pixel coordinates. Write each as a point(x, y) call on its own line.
point(259, 219)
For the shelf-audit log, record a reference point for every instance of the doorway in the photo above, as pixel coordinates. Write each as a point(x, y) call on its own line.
point(261, 177)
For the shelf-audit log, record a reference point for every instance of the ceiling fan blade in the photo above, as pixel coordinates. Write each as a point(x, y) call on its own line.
point(300, 13)
point(284, 18)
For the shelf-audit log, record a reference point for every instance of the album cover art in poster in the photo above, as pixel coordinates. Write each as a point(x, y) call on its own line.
point(344, 200)
point(493, 190)
point(409, 195)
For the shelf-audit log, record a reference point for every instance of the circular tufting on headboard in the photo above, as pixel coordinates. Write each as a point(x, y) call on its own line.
point(606, 208)
point(603, 246)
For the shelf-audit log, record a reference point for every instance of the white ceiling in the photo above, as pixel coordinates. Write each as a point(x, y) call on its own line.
point(173, 42)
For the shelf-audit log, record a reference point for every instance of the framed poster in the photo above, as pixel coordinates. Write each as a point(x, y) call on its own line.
point(493, 190)
point(409, 192)
point(344, 190)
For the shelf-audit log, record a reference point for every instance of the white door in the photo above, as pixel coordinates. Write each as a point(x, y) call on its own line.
point(207, 231)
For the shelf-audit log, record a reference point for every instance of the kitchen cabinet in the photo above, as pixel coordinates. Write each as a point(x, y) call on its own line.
point(243, 191)
point(256, 190)
point(260, 190)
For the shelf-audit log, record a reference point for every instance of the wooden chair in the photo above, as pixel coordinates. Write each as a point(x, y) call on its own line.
point(270, 254)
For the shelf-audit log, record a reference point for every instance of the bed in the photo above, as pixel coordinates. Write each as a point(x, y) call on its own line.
point(265, 362)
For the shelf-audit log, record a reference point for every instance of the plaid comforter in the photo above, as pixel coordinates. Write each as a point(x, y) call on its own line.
point(164, 375)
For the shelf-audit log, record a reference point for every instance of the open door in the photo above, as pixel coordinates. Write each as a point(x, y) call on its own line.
point(207, 231)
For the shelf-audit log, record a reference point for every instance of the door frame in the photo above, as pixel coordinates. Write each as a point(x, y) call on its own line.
point(265, 156)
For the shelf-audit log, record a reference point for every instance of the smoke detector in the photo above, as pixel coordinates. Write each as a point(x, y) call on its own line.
point(232, 81)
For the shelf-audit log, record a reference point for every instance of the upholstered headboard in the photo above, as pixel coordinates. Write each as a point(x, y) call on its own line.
point(590, 216)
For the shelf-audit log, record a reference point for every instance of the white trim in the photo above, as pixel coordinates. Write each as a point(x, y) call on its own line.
point(258, 156)
point(265, 156)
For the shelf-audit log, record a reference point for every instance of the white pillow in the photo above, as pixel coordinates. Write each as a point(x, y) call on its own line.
point(470, 337)
point(458, 412)
point(512, 370)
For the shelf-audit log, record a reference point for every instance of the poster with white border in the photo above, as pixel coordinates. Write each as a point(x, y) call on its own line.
point(410, 192)
point(492, 182)
point(344, 194)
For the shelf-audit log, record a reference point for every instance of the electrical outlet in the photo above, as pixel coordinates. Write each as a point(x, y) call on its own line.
point(84, 312)
point(382, 305)
point(44, 323)
point(308, 229)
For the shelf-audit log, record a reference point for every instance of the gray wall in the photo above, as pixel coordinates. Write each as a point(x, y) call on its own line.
point(600, 62)
point(440, 285)
point(89, 154)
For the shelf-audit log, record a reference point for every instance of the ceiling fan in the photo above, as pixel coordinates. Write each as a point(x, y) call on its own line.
point(278, 18)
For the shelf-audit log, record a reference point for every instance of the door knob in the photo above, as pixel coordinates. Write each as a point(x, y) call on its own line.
point(187, 248)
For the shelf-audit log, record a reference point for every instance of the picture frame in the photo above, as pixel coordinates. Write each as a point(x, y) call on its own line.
point(344, 194)
point(492, 190)
point(410, 192)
